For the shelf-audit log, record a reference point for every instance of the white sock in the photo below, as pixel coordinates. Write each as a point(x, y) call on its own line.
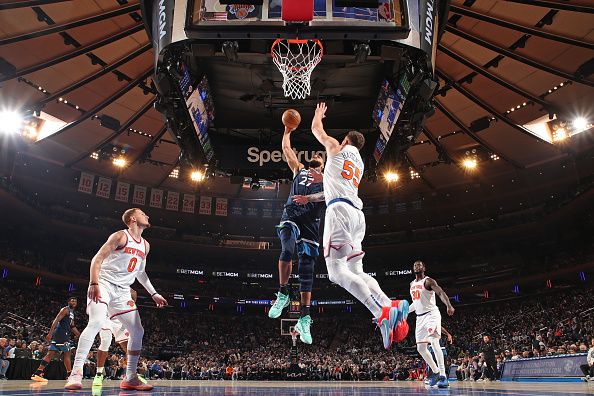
point(424, 351)
point(99, 370)
point(356, 267)
point(339, 274)
point(132, 366)
point(437, 351)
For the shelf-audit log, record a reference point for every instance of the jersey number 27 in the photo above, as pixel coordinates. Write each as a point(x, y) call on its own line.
point(351, 172)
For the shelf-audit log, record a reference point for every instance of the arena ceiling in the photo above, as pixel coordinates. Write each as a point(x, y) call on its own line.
point(90, 64)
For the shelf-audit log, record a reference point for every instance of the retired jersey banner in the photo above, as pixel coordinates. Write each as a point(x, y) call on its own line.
point(189, 203)
point(104, 187)
point(221, 208)
point(156, 198)
point(172, 200)
point(85, 185)
point(122, 192)
point(139, 196)
point(205, 205)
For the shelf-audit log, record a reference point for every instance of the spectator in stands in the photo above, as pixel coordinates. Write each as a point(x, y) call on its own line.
point(4, 363)
point(10, 348)
point(588, 368)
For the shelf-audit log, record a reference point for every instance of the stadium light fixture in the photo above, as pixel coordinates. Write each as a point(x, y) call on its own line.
point(197, 176)
point(119, 162)
point(470, 163)
point(579, 124)
point(391, 177)
point(11, 121)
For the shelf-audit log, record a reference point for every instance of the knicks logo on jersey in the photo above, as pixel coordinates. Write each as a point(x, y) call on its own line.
point(134, 252)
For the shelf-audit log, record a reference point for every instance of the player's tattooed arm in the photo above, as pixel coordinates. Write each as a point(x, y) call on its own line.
point(304, 199)
point(431, 284)
point(115, 240)
point(317, 127)
point(289, 154)
point(63, 312)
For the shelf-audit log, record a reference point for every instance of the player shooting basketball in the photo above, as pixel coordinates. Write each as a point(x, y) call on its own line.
point(299, 227)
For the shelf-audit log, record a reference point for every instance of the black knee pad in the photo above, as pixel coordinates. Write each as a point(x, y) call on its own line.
point(306, 273)
point(287, 238)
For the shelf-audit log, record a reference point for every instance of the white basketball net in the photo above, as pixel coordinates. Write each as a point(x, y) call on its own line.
point(296, 59)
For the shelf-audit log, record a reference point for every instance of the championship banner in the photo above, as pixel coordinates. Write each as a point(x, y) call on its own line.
point(172, 202)
point(252, 209)
point(103, 187)
point(156, 198)
point(189, 203)
point(205, 205)
point(122, 191)
point(221, 208)
point(85, 185)
point(236, 207)
point(139, 196)
point(267, 209)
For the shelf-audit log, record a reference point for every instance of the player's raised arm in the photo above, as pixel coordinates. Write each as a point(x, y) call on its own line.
point(289, 154)
point(114, 241)
point(317, 127)
point(432, 285)
point(144, 280)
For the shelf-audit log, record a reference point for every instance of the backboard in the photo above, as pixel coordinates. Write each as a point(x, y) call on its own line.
point(210, 18)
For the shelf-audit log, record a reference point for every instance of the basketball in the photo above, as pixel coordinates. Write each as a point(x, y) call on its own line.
point(291, 118)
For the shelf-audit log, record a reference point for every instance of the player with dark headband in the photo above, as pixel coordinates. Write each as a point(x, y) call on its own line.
point(299, 227)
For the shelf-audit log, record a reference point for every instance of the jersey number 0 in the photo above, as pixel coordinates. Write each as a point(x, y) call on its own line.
point(132, 264)
point(351, 172)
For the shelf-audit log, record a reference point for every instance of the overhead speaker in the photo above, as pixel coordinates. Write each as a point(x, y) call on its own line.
point(358, 3)
point(480, 123)
point(427, 88)
point(109, 122)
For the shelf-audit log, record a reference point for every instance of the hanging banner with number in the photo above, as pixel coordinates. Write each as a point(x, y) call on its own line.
point(189, 203)
point(103, 187)
point(221, 209)
point(205, 205)
point(85, 185)
point(122, 192)
point(156, 198)
point(172, 200)
point(139, 196)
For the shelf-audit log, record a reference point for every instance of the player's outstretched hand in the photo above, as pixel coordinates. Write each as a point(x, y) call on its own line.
point(159, 300)
point(94, 293)
point(451, 310)
point(300, 199)
point(321, 110)
point(288, 130)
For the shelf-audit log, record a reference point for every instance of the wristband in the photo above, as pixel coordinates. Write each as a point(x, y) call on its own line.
point(93, 284)
point(154, 294)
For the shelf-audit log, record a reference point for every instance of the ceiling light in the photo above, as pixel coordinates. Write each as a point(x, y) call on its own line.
point(391, 177)
point(119, 162)
point(10, 121)
point(95, 155)
point(197, 176)
point(580, 123)
point(174, 173)
point(470, 163)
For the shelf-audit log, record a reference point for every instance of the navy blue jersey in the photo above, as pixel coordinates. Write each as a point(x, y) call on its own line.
point(306, 217)
point(62, 332)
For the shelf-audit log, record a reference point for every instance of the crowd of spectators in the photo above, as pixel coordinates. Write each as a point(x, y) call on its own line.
point(181, 344)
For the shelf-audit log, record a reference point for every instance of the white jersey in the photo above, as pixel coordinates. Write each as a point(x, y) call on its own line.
point(122, 265)
point(342, 175)
point(423, 299)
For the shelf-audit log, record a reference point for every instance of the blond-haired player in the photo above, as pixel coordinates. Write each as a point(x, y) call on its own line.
point(120, 261)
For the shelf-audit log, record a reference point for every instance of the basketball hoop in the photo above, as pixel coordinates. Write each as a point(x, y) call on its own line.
point(296, 60)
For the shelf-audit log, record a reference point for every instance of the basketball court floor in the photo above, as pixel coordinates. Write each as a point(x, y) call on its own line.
point(227, 388)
